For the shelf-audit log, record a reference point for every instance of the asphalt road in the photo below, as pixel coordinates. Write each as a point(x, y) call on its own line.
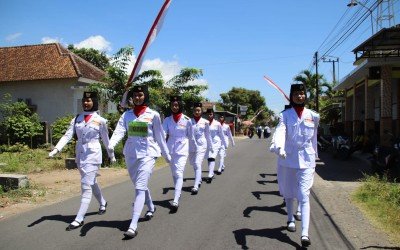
point(240, 209)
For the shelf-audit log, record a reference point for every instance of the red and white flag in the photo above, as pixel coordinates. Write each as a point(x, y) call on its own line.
point(154, 30)
point(273, 84)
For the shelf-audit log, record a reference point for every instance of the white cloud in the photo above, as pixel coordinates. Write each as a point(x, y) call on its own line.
point(96, 42)
point(13, 37)
point(47, 39)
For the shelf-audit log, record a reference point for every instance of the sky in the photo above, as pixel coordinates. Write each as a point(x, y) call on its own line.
point(234, 42)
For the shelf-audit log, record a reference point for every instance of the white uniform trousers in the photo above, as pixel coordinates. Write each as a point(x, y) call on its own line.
point(89, 186)
point(222, 155)
point(177, 166)
point(196, 160)
point(140, 171)
point(297, 183)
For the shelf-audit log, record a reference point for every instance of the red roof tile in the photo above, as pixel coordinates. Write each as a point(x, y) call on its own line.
point(44, 61)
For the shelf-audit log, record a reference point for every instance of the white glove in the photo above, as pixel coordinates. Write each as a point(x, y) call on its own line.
point(282, 153)
point(53, 153)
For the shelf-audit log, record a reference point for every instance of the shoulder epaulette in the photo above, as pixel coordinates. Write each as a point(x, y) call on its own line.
point(186, 117)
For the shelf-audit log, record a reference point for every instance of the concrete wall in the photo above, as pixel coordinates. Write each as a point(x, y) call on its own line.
point(53, 98)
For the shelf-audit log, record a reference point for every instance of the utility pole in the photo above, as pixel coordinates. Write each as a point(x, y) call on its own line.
point(333, 61)
point(316, 82)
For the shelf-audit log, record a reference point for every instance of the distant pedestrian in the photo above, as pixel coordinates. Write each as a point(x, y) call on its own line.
point(144, 144)
point(259, 131)
point(267, 132)
point(296, 145)
point(87, 127)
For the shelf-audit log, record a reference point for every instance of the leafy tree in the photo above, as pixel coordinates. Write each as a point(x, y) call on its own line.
point(252, 99)
point(19, 123)
point(95, 57)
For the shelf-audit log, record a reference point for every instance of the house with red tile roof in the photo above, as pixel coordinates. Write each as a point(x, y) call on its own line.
point(50, 78)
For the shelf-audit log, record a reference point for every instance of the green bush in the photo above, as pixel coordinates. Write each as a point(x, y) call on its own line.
point(19, 124)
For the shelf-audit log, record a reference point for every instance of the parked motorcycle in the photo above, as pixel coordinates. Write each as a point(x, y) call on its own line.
point(386, 160)
point(341, 147)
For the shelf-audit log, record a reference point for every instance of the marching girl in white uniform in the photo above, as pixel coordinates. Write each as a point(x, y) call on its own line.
point(227, 137)
point(201, 130)
point(273, 149)
point(217, 141)
point(144, 144)
point(296, 144)
point(179, 131)
point(88, 128)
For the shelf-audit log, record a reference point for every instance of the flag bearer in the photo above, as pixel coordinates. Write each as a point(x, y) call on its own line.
point(201, 131)
point(179, 131)
point(217, 141)
point(227, 137)
point(296, 144)
point(88, 127)
point(144, 144)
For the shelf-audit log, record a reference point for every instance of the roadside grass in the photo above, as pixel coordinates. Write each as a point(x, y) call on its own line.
point(34, 161)
point(380, 200)
point(30, 194)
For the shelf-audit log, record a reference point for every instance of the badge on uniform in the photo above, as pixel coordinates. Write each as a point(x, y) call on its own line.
point(136, 128)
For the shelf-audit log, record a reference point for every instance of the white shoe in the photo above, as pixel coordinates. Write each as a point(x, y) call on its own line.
point(291, 226)
point(297, 216)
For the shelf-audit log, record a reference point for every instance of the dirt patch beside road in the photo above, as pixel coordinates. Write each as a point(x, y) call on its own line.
point(56, 186)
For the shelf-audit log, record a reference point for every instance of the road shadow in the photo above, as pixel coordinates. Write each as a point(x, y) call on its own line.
point(265, 175)
point(121, 225)
point(349, 170)
point(167, 189)
point(258, 194)
point(58, 217)
point(271, 233)
point(164, 203)
point(380, 247)
point(266, 182)
point(188, 179)
point(274, 209)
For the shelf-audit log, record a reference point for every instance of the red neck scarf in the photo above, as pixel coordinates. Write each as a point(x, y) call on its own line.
point(177, 117)
point(299, 111)
point(211, 120)
point(87, 117)
point(222, 123)
point(139, 109)
point(197, 119)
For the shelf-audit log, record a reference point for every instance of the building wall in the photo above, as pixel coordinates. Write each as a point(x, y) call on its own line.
point(53, 98)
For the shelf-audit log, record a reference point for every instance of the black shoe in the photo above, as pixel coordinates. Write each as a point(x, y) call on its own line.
point(291, 228)
point(297, 216)
point(150, 214)
point(305, 241)
point(102, 211)
point(131, 233)
point(72, 227)
point(174, 207)
point(218, 173)
point(194, 191)
point(223, 169)
point(209, 179)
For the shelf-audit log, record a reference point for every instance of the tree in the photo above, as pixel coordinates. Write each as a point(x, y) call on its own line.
point(95, 57)
point(19, 124)
point(250, 98)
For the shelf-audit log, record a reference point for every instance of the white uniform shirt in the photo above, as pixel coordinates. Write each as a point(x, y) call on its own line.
point(298, 137)
point(141, 142)
point(227, 134)
point(178, 134)
point(201, 132)
point(88, 148)
point(217, 135)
